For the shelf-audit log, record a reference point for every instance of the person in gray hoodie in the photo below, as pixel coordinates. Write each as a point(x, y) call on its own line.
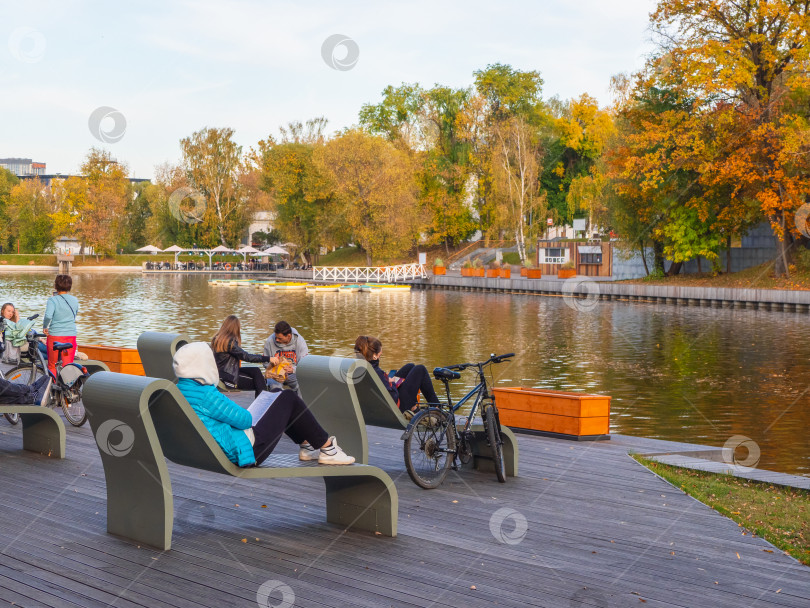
point(286, 346)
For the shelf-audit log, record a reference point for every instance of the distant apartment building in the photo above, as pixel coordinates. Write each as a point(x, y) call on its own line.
point(23, 167)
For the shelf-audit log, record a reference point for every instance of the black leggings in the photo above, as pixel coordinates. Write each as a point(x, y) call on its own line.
point(249, 378)
point(415, 378)
point(288, 414)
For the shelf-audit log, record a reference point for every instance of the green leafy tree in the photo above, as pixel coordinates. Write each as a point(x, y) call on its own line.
point(7, 181)
point(28, 207)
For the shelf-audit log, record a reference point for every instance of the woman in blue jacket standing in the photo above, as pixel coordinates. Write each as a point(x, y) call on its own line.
point(246, 439)
point(59, 323)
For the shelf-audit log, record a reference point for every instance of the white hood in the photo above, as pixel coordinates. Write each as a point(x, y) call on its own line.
point(196, 361)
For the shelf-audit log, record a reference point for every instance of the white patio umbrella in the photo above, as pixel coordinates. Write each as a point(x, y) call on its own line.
point(217, 249)
point(150, 249)
point(275, 249)
point(177, 250)
point(246, 250)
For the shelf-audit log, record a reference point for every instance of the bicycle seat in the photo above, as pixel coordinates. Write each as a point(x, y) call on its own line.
point(60, 346)
point(442, 373)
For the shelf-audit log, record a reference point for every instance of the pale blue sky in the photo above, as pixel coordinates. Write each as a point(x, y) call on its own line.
point(172, 67)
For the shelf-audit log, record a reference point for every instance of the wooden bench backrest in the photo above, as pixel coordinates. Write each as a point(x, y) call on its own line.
point(157, 352)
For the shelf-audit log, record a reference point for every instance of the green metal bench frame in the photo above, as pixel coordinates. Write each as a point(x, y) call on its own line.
point(163, 425)
point(42, 429)
point(156, 350)
point(154, 347)
point(333, 385)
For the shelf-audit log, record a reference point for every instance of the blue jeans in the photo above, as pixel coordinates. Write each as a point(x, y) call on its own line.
point(291, 382)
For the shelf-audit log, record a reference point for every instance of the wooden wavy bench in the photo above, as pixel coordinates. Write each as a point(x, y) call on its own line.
point(42, 429)
point(138, 422)
point(333, 385)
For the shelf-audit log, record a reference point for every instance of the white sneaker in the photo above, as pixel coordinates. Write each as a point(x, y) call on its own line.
point(307, 452)
point(334, 455)
point(43, 394)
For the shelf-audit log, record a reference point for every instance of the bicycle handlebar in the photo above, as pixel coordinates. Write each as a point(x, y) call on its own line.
point(492, 359)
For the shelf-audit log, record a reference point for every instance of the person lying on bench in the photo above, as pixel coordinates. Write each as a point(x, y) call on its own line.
point(16, 393)
point(249, 436)
point(406, 383)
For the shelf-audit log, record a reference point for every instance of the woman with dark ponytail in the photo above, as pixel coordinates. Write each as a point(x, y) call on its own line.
point(406, 383)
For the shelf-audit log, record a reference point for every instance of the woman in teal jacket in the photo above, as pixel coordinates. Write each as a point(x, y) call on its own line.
point(247, 442)
point(59, 323)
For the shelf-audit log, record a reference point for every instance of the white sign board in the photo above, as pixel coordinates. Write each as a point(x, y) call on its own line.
point(423, 258)
point(579, 225)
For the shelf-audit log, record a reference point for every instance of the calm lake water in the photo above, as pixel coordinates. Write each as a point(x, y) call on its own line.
point(698, 375)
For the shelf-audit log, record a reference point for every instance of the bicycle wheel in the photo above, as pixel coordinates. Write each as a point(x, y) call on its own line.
point(72, 405)
point(494, 439)
point(23, 374)
point(430, 448)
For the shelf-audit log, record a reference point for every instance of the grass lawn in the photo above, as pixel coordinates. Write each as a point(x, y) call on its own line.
point(778, 514)
point(757, 277)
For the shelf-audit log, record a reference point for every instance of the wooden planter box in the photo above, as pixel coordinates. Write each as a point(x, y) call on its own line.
point(493, 273)
point(570, 415)
point(478, 272)
point(466, 272)
point(523, 271)
point(506, 273)
point(439, 270)
point(118, 359)
point(566, 273)
point(534, 273)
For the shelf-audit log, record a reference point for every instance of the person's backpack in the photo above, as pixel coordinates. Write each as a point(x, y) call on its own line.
point(15, 339)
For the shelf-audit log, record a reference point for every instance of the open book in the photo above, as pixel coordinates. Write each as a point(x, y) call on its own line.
point(261, 404)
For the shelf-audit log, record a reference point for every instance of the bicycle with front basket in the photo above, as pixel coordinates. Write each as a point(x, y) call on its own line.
point(66, 389)
point(434, 441)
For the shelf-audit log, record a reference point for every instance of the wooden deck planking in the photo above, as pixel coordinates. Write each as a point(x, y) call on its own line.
point(574, 498)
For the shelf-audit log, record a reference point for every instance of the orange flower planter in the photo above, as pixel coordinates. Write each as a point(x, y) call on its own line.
point(479, 272)
point(534, 273)
point(523, 271)
point(506, 273)
point(122, 360)
point(566, 273)
point(439, 270)
point(559, 412)
point(466, 272)
point(493, 273)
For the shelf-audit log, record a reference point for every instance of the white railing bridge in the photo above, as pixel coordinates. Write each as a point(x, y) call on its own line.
point(369, 274)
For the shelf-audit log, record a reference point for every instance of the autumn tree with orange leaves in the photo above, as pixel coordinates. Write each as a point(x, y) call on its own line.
point(743, 67)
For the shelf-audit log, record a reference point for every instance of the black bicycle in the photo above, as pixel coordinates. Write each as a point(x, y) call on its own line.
point(434, 442)
point(66, 390)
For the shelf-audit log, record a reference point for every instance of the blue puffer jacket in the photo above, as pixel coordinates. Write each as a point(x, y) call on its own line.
point(223, 418)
